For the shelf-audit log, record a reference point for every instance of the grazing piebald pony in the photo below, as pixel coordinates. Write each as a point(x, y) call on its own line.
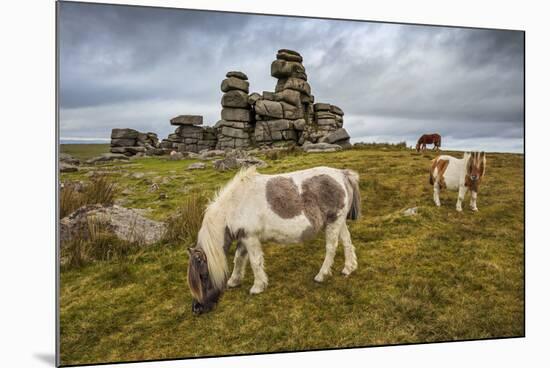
point(425, 139)
point(458, 174)
point(284, 208)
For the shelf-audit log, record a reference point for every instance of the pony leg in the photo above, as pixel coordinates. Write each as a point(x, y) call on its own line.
point(256, 256)
point(473, 201)
point(461, 193)
point(331, 244)
point(241, 259)
point(350, 264)
point(436, 193)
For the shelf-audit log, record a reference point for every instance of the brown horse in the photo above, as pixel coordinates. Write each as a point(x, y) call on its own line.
point(434, 139)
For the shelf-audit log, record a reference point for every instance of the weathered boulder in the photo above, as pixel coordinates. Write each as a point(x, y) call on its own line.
point(236, 74)
point(319, 106)
point(68, 159)
point(296, 84)
point(197, 166)
point(285, 55)
point(65, 167)
point(285, 69)
point(233, 132)
point(124, 133)
point(233, 83)
point(126, 223)
point(337, 135)
point(105, 157)
point(320, 147)
point(233, 114)
point(271, 96)
point(187, 120)
point(136, 149)
point(236, 159)
point(299, 124)
point(331, 122)
point(207, 154)
point(176, 156)
point(186, 131)
point(123, 142)
point(289, 96)
point(292, 112)
point(235, 98)
point(269, 108)
point(336, 110)
point(154, 152)
point(253, 98)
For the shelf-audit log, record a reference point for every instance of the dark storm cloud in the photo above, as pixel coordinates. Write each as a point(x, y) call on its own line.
point(138, 67)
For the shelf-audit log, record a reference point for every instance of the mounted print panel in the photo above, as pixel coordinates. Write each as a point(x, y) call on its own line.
point(235, 183)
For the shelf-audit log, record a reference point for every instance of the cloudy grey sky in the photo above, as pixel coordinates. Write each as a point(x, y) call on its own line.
point(138, 67)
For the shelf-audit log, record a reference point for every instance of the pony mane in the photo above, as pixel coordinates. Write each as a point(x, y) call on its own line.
point(211, 237)
point(242, 175)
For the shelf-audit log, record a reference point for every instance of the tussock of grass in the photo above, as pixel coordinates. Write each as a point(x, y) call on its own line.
point(439, 275)
point(100, 190)
point(289, 151)
point(98, 243)
point(184, 224)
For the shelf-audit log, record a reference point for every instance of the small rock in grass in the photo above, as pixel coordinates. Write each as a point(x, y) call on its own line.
point(413, 211)
point(197, 166)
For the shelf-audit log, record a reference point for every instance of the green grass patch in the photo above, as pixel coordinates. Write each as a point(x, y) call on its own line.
point(440, 275)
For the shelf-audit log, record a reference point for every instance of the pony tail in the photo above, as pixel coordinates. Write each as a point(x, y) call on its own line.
point(355, 209)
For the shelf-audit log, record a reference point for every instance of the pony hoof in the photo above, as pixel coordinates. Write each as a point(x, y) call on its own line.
point(475, 209)
point(231, 283)
point(257, 289)
point(319, 278)
point(348, 270)
point(459, 209)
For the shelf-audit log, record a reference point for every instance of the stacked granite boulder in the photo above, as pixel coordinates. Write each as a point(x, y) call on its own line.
point(189, 136)
point(327, 126)
point(130, 142)
point(282, 115)
point(235, 129)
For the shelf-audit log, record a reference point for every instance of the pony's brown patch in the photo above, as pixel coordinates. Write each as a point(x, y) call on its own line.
point(439, 165)
point(322, 198)
point(283, 197)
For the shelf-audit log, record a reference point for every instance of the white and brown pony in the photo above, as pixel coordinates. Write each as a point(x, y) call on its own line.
point(461, 175)
point(284, 208)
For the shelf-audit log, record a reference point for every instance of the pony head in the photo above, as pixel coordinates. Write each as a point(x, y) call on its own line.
point(475, 169)
point(205, 294)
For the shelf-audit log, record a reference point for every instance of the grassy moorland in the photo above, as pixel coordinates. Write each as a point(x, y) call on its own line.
point(439, 275)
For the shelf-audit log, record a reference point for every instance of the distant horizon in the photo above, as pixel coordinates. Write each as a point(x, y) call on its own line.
point(68, 140)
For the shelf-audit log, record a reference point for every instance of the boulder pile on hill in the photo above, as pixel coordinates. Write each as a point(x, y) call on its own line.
point(286, 116)
point(189, 135)
point(282, 115)
point(131, 142)
point(327, 126)
point(235, 128)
